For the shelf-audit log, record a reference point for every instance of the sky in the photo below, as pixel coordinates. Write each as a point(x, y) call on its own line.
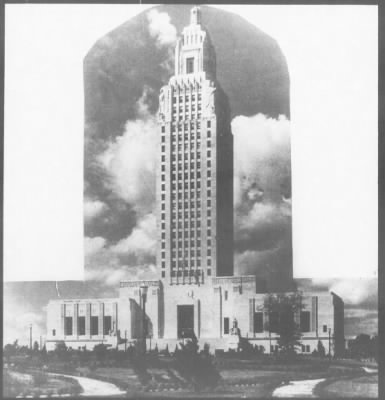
point(331, 53)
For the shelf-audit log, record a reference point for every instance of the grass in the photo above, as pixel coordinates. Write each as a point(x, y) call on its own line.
point(360, 386)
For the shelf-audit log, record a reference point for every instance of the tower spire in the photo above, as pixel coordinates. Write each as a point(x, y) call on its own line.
point(195, 16)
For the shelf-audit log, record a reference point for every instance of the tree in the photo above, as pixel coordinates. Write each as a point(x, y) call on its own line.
point(196, 368)
point(100, 351)
point(282, 309)
point(11, 349)
point(320, 349)
point(35, 346)
point(360, 347)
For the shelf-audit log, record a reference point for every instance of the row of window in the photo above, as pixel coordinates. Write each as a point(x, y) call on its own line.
point(187, 205)
point(174, 114)
point(186, 107)
point(189, 272)
point(184, 264)
point(81, 325)
point(178, 157)
point(187, 194)
point(186, 222)
point(191, 243)
point(186, 125)
point(192, 252)
point(187, 97)
point(180, 164)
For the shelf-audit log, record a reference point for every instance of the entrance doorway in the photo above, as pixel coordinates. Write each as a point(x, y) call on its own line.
point(185, 321)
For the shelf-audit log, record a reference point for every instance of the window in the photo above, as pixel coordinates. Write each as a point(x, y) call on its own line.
point(94, 325)
point(305, 321)
point(68, 326)
point(190, 65)
point(226, 325)
point(325, 328)
point(208, 134)
point(209, 272)
point(209, 163)
point(163, 274)
point(226, 295)
point(258, 322)
point(163, 187)
point(53, 332)
point(163, 197)
point(81, 326)
point(163, 129)
point(163, 206)
point(163, 264)
point(208, 262)
point(163, 139)
point(208, 124)
point(307, 348)
point(163, 158)
point(107, 324)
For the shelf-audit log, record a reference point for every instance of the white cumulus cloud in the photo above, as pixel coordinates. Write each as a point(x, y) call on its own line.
point(130, 160)
point(161, 28)
point(93, 208)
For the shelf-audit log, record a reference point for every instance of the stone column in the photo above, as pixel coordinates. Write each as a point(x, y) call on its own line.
point(88, 320)
point(101, 319)
point(62, 319)
point(153, 311)
point(197, 318)
point(251, 317)
point(115, 317)
point(314, 314)
point(218, 306)
point(75, 321)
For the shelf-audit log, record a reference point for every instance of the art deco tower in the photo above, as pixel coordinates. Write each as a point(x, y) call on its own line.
point(195, 168)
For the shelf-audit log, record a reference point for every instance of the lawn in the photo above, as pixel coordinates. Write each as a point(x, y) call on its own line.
point(362, 386)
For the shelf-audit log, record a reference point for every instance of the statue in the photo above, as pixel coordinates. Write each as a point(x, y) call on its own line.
point(234, 339)
point(235, 330)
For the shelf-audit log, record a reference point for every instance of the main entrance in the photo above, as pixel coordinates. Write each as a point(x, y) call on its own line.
point(185, 321)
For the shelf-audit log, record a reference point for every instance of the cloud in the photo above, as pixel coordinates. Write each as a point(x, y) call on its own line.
point(131, 258)
point(93, 208)
point(262, 194)
point(130, 160)
point(161, 28)
point(141, 240)
point(261, 158)
point(18, 328)
point(93, 245)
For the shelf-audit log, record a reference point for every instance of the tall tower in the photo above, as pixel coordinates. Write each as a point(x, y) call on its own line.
point(195, 168)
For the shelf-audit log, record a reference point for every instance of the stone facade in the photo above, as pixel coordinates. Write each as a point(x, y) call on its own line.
point(195, 166)
point(149, 309)
point(196, 292)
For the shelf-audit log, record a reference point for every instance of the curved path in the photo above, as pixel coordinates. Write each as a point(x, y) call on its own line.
point(93, 387)
point(298, 388)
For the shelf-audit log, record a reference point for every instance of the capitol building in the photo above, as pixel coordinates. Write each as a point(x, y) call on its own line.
point(196, 292)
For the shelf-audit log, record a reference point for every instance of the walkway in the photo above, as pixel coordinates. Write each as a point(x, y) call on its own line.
point(93, 387)
point(298, 389)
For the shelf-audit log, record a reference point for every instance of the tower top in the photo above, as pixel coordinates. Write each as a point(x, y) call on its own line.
point(195, 16)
